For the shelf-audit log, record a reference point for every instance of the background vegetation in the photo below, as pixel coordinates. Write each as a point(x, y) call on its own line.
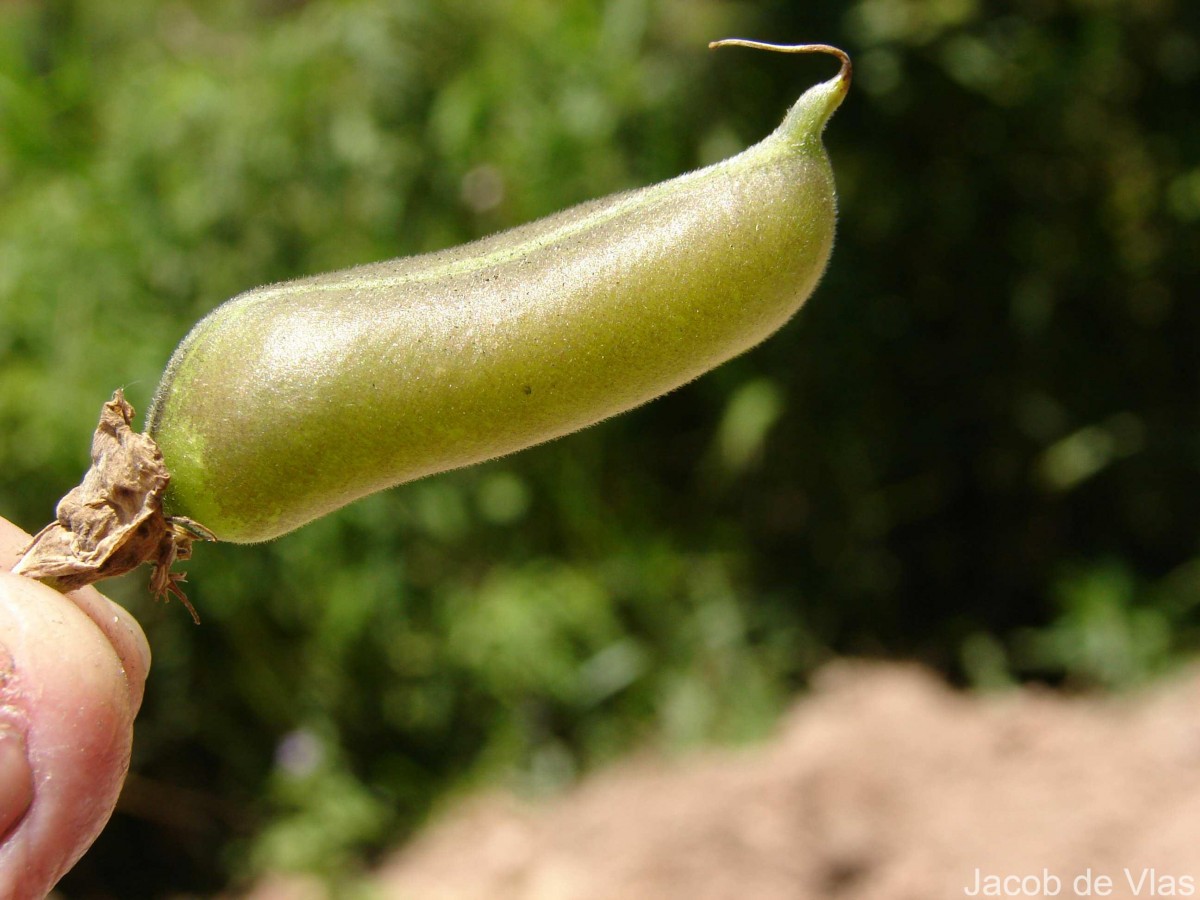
point(977, 447)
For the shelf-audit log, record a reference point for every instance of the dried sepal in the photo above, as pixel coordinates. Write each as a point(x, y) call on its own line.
point(113, 521)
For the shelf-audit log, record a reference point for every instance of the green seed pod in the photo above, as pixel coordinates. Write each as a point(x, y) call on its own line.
point(294, 399)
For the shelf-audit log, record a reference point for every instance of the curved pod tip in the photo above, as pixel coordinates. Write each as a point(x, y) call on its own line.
point(807, 117)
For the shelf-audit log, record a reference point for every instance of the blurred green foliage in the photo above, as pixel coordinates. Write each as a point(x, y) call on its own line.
point(977, 447)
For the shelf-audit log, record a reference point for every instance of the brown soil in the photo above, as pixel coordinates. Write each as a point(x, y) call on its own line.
point(882, 783)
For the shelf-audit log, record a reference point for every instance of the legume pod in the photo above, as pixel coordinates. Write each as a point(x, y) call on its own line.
point(294, 399)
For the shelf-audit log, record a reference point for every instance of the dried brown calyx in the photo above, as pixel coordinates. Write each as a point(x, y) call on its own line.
point(113, 521)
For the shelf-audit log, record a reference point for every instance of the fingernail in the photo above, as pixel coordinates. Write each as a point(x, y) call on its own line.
point(16, 779)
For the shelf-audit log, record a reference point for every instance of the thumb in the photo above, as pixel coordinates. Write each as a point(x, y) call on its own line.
point(72, 669)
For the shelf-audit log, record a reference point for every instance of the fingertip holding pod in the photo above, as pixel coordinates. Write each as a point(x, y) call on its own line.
point(66, 729)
